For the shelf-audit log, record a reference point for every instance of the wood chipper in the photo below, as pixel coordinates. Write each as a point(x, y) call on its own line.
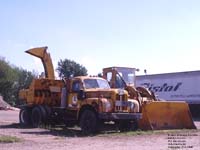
point(83, 100)
point(156, 114)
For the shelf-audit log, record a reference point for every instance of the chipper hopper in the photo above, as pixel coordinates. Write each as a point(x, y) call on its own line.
point(156, 114)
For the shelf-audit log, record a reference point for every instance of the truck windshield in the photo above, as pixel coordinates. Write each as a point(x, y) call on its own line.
point(96, 83)
point(128, 74)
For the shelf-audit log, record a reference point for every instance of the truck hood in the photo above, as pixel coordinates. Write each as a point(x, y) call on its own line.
point(106, 93)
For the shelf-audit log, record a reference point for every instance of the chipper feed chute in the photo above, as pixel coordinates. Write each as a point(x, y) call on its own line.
point(166, 115)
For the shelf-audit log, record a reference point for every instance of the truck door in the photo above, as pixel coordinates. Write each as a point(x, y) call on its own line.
point(73, 95)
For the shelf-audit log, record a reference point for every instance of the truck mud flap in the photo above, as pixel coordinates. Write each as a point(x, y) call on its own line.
point(166, 115)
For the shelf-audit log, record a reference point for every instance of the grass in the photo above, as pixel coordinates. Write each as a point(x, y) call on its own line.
point(62, 131)
point(9, 139)
point(149, 132)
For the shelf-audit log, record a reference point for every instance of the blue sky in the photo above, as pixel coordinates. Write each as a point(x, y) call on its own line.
point(157, 35)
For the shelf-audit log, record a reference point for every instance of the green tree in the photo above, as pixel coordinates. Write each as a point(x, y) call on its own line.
point(24, 79)
point(68, 68)
point(12, 79)
point(100, 75)
point(7, 79)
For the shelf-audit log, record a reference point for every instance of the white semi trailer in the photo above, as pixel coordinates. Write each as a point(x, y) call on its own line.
point(178, 86)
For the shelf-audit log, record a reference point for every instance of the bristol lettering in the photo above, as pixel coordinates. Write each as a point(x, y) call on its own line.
point(163, 88)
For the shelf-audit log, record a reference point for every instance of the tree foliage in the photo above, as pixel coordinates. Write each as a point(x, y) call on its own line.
point(12, 79)
point(68, 68)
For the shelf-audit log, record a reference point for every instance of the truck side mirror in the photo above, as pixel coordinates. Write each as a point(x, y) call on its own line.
point(81, 95)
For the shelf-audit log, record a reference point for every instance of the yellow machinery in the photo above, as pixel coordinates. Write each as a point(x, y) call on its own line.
point(156, 114)
point(85, 101)
point(41, 52)
point(45, 89)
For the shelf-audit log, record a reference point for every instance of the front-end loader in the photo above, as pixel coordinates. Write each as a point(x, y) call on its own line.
point(156, 114)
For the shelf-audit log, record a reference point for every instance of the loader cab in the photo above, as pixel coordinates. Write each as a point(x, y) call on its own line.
point(119, 77)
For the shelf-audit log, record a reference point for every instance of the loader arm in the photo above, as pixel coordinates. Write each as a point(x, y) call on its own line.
point(41, 52)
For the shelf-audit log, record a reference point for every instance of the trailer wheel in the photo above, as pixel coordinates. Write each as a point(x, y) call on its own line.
point(88, 122)
point(36, 117)
point(25, 117)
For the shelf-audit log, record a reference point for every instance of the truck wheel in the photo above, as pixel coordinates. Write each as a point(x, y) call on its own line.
point(48, 113)
point(88, 122)
point(43, 113)
point(36, 117)
point(48, 110)
point(25, 117)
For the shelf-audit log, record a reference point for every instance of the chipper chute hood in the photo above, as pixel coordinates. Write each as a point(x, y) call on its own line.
point(41, 52)
point(166, 115)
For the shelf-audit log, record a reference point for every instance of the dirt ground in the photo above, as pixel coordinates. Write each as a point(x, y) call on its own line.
point(41, 138)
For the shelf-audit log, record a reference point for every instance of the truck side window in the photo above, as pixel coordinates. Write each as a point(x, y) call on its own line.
point(76, 86)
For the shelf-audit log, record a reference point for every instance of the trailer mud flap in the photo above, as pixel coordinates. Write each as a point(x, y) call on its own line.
point(166, 115)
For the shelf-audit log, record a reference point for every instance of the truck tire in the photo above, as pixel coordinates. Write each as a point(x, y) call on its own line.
point(88, 122)
point(36, 117)
point(43, 113)
point(48, 113)
point(25, 117)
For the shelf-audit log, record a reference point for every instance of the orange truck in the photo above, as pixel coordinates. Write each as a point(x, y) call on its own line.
point(83, 100)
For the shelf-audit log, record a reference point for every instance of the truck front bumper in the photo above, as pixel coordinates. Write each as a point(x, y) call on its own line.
point(120, 116)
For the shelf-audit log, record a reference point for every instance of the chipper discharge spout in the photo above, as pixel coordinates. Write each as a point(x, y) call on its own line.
point(166, 115)
point(41, 52)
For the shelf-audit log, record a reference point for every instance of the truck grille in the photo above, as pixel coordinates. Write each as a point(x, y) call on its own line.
point(121, 104)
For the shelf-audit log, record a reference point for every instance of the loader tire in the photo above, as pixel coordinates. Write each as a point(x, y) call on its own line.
point(134, 125)
point(124, 126)
point(36, 117)
point(25, 117)
point(88, 122)
point(128, 126)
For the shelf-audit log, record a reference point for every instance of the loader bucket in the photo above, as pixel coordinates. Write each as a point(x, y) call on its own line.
point(166, 115)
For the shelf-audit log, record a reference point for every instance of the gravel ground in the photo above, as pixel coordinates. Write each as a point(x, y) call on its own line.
point(51, 140)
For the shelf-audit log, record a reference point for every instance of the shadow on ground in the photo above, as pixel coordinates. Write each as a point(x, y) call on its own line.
point(60, 131)
point(63, 131)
